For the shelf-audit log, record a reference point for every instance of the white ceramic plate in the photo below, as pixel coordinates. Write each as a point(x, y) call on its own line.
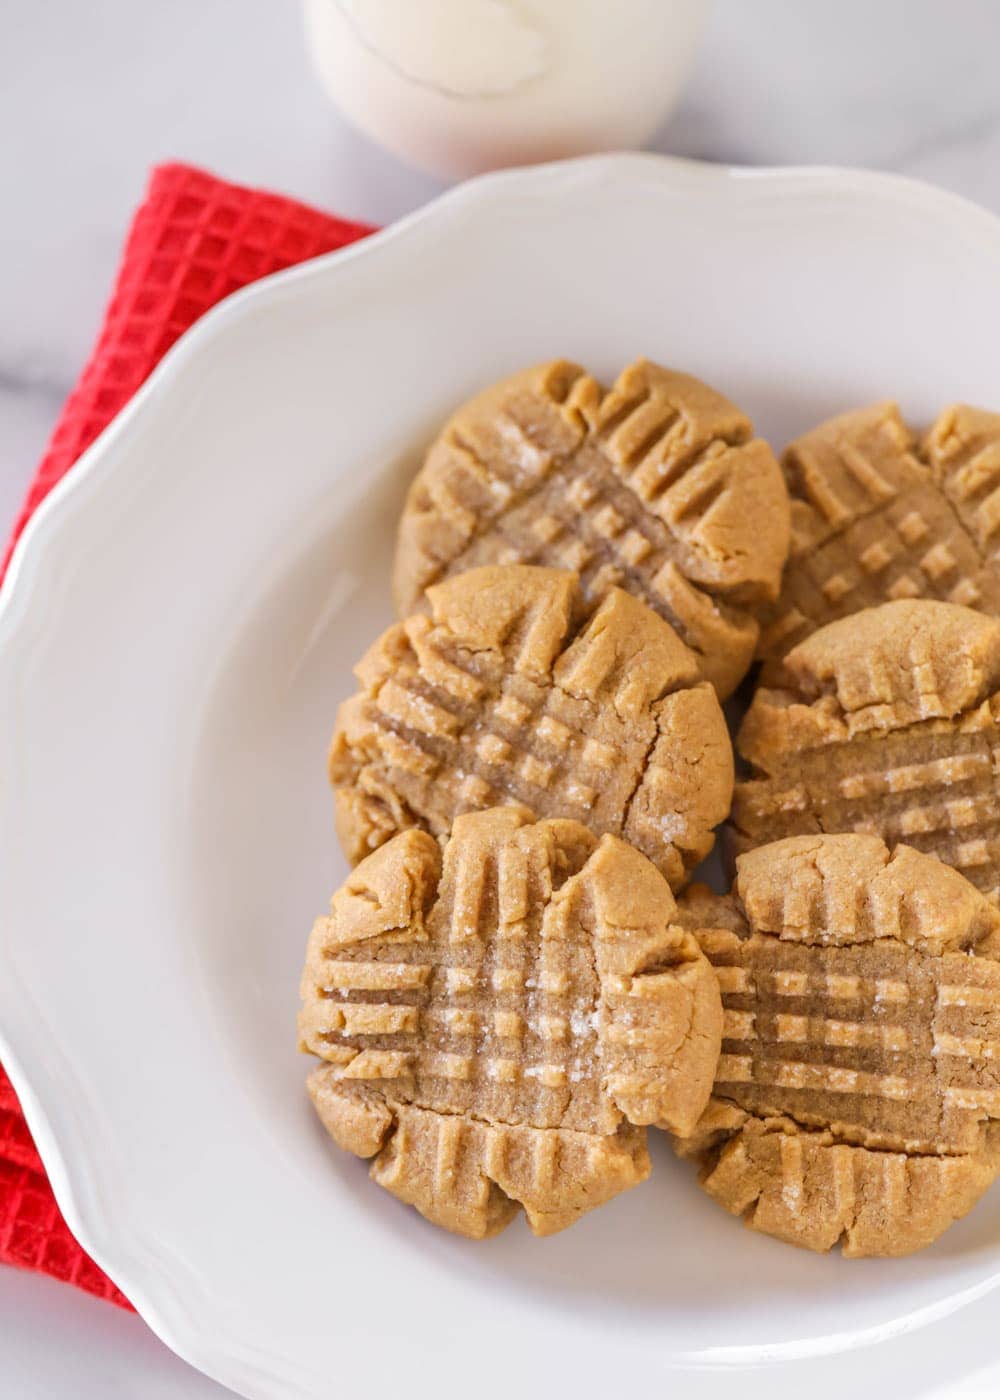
point(176, 630)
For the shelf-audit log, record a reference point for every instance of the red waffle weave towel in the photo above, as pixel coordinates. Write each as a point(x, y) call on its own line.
point(194, 239)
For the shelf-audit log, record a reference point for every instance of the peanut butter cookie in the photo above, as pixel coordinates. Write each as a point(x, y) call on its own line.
point(656, 485)
point(494, 698)
point(499, 1023)
point(857, 1097)
point(888, 722)
point(878, 515)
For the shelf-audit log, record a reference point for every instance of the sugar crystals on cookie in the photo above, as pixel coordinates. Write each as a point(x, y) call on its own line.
point(498, 1023)
point(501, 695)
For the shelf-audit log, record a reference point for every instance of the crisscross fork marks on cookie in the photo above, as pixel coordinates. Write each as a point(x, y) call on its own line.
point(878, 516)
point(857, 1095)
point(909, 549)
point(598, 527)
point(837, 1010)
point(493, 699)
point(655, 486)
point(887, 723)
point(500, 1014)
point(789, 1047)
point(529, 1003)
point(497, 1017)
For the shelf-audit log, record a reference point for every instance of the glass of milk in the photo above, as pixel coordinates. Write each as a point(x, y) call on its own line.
point(461, 86)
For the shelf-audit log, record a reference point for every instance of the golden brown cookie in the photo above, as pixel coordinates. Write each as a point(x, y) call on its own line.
point(878, 515)
point(888, 722)
point(656, 486)
point(857, 1098)
point(494, 698)
point(499, 1023)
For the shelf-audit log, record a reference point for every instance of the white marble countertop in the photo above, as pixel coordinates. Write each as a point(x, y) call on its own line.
point(93, 94)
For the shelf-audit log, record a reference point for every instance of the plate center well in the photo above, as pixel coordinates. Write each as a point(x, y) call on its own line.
point(265, 862)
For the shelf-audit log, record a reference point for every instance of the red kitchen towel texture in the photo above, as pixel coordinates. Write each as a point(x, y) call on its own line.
point(194, 239)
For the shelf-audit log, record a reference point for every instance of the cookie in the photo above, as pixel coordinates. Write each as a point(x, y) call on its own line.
point(499, 1023)
point(888, 722)
point(495, 697)
point(857, 1097)
point(657, 486)
point(878, 515)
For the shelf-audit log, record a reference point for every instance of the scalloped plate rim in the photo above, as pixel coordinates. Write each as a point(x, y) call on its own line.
point(74, 1178)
